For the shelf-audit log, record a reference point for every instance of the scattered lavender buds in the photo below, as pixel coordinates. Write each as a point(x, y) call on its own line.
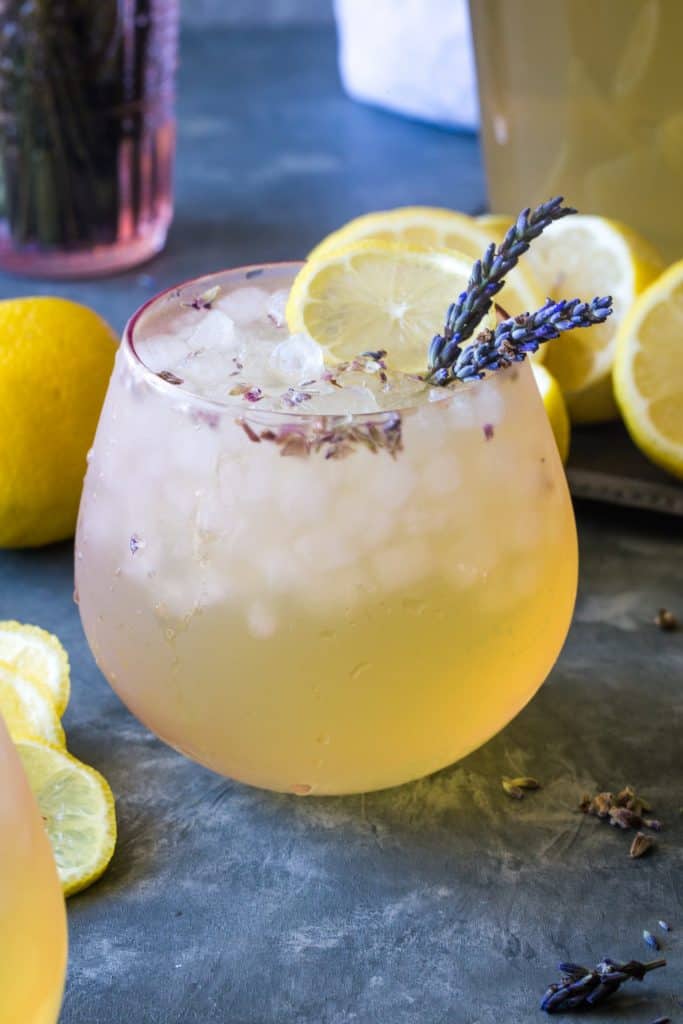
point(664, 925)
point(205, 300)
point(513, 337)
point(582, 988)
point(640, 845)
point(331, 436)
point(515, 787)
point(666, 620)
point(650, 940)
point(625, 810)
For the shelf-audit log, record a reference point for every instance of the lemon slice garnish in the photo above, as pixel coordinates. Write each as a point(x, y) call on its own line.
point(377, 295)
point(27, 707)
point(78, 808)
point(433, 227)
point(648, 381)
point(39, 655)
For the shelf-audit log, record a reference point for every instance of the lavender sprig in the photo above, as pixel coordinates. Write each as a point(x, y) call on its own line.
point(516, 336)
point(582, 988)
point(487, 278)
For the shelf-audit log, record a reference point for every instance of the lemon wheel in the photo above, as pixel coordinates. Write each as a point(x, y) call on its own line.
point(77, 806)
point(648, 381)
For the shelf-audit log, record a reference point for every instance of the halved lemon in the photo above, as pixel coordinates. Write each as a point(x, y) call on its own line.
point(648, 373)
point(377, 295)
point(595, 404)
point(78, 808)
point(39, 655)
point(586, 256)
point(495, 225)
point(555, 407)
point(433, 227)
point(27, 707)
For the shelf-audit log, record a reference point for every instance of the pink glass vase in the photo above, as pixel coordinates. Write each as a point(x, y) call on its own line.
point(87, 134)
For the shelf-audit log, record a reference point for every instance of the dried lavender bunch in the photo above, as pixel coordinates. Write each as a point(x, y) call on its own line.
point(582, 988)
point(448, 360)
point(488, 277)
point(516, 336)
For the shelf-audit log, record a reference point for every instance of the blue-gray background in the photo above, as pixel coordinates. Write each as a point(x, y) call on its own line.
point(256, 12)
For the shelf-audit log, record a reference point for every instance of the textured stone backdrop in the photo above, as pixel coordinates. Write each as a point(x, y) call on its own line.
point(256, 12)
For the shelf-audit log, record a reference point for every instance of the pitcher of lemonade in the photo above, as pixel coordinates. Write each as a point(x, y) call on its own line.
point(584, 98)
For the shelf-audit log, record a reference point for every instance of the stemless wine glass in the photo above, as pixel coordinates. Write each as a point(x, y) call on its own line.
point(322, 625)
point(32, 917)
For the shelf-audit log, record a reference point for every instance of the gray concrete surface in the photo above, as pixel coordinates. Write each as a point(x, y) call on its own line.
point(442, 902)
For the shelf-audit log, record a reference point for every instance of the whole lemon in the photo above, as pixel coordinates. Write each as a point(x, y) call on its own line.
point(55, 360)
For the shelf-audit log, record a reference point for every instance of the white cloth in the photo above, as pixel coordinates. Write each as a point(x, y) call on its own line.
point(412, 56)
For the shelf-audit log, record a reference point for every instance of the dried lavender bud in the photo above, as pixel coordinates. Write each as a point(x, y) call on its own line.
point(666, 620)
point(653, 823)
point(486, 280)
point(582, 989)
point(601, 805)
point(629, 798)
point(169, 377)
point(624, 818)
point(664, 925)
point(662, 1020)
point(573, 970)
point(651, 940)
point(640, 845)
point(205, 300)
point(514, 787)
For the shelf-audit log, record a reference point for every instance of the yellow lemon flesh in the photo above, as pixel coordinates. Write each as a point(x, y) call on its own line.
point(583, 256)
point(55, 360)
point(648, 379)
point(555, 407)
point(35, 653)
point(377, 295)
point(78, 808)
point(27, 707)
point(433, 227)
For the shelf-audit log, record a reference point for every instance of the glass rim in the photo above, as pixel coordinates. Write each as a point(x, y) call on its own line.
point(253, 412)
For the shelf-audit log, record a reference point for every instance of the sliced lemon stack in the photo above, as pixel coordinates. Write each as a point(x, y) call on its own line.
point(648, 380)
point(39, 655)
point(587, 255)
point(74, 800)
point(78, 809)
point(27, 707)
point(433, 227)
point(377, 295)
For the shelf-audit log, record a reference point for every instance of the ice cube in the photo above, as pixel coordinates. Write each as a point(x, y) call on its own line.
point(214, 330)
point(162, 352)
point(343, 401)
point(297, 359)
point(208, 372)
point(276, 306)
point(245, 305)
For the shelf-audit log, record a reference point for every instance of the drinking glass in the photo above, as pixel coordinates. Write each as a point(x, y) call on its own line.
point(314, 624)
point(87, 134)
point(32, 917)
point(582, 98)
